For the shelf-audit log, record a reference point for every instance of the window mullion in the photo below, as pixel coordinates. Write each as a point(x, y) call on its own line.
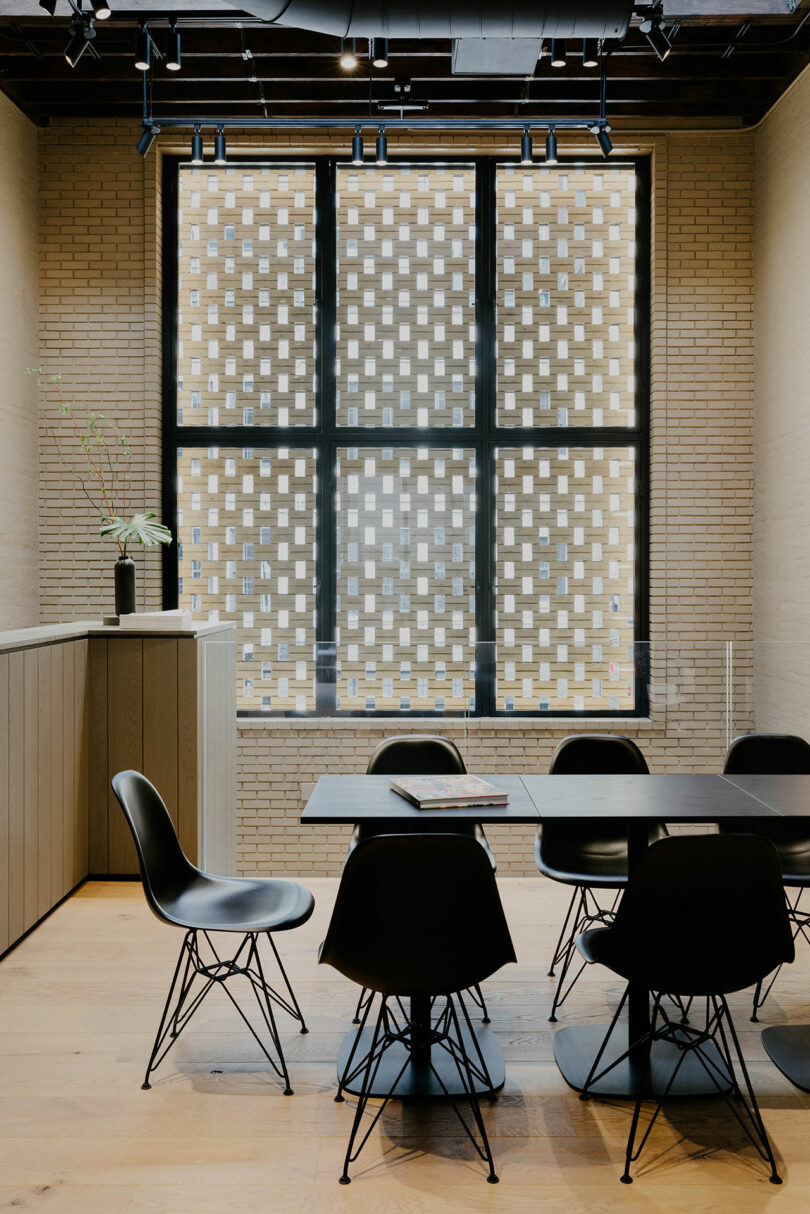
point(485, 429)
point(326, 524)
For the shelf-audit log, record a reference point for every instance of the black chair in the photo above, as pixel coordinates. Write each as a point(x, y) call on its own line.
point(420, 754)
point(776, 754)
point(702, 916)
point(591, 857)
point(183, 896)
point(417, 916)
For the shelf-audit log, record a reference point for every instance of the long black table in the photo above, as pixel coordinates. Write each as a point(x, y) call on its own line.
point(641, 800)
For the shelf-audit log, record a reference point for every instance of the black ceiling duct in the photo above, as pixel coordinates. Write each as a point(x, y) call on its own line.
point(448, 18)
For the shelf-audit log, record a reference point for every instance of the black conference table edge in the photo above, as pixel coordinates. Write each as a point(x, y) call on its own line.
point(640, 800)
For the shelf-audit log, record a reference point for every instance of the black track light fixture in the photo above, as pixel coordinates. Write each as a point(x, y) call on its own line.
point(558, 52)
point(348, 54)
point(378, 51)
point(526, 157)
point(551, 147)
point(196, 146)
point(101, 10)
point(590, 52)
point(143, 49)
point(601, 131)
point(653, 30)
point(219, 147)
point(173, 53)
point(148, 137)
point(357, 146)
point(382, 148)
point(82, 35)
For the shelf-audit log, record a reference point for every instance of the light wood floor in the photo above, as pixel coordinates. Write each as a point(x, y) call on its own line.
point(79, 1002)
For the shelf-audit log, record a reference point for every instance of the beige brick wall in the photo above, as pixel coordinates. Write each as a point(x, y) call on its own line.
point(782, 416)
point(100, 290)
point(19, 606)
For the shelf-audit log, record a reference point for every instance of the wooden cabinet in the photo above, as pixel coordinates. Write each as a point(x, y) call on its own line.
point(79, 703)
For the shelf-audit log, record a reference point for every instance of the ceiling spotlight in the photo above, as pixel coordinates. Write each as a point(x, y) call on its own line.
point(653, 30)
point(551, 147)
point(526, 148)
point(219, 147)
point(143, 49)
point(101, 9)
point(378, 51)
point(348, 54)
point(173, 53)
point(382, 148)
point(357, 147)
point(82, 35)
point(590, 53)
point(558, 52)
point(148, 137)
point(196, 146)
point(603, 139)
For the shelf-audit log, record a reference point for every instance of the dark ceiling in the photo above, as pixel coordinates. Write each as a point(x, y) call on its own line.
point(728, 67)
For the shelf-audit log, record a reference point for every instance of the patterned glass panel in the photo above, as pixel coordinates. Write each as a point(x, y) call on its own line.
point(565, 520)
point(246, 527)
point(566, 296)
point(406, 296)
point(246, 287)
point(405, 578)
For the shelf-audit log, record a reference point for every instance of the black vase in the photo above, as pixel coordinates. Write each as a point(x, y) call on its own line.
point(124, 585)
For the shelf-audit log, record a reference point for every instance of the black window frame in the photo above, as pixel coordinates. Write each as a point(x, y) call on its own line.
point(325, 437)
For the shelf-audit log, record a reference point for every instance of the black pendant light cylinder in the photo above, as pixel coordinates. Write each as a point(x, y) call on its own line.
point(558, 52)
point(551, 147)
point(603, 139)
point(590, 53)
point(219, 147)
point(378, 50)
point(196, 147)
point(526, 147)
point(173, 53)
point(143, 49)
point(357, 147)
point(382, 148)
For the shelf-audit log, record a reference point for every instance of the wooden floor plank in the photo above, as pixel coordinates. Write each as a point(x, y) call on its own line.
point(80, 1000)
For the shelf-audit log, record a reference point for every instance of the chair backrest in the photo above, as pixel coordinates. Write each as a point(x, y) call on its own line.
point(418, 914)
point(165, 870)
point(703, 914)
point(416, 754)
point(768, 754)
point(598, 754)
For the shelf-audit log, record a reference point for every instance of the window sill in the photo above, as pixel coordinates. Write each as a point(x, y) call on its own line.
point(447, 724)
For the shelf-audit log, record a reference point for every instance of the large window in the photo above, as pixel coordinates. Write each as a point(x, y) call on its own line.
point(405, 440)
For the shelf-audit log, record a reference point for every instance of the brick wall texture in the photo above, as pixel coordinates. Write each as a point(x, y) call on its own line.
point(100, 244)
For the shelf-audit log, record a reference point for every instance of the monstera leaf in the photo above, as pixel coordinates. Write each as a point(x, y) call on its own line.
point(140, 527)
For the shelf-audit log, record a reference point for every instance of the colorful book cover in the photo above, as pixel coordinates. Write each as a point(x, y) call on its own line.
point(448, 792)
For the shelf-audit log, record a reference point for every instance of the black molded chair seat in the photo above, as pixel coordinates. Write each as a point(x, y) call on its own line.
point(238, 904)
point(417, 916)
point(586, 854)
point(589, 854)
point(702, 916)
point(182, 895)
point(776, 754)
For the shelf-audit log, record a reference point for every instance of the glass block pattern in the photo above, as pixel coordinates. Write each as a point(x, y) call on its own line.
point(406, 296)
point(565, 296)
point(565, 551)
point(405, 578)
point(246, 551)
point(246, 296)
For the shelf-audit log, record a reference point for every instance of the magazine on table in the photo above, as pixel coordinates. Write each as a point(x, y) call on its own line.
point(448, 792)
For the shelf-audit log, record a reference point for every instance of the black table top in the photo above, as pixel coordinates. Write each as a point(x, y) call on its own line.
point(369, 798)
point(674, 798)
point(671, 798)
point(788, 796)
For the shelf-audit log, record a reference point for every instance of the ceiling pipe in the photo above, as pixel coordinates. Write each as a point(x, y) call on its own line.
point(448, 18)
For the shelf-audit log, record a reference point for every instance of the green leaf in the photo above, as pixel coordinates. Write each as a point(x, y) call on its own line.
point(139, 528)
